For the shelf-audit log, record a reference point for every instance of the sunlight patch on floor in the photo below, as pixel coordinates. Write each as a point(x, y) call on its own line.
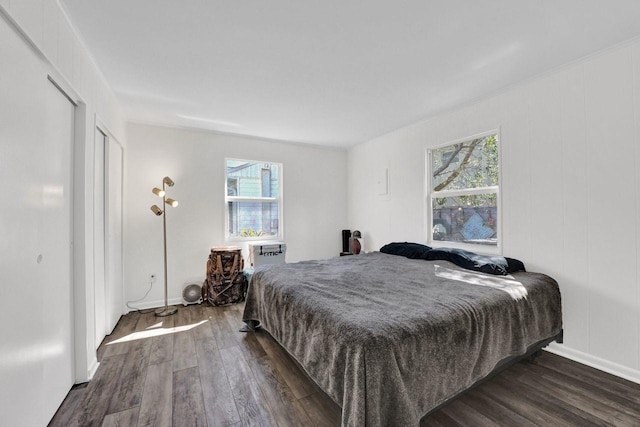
point(157, 325)
point(156, 332)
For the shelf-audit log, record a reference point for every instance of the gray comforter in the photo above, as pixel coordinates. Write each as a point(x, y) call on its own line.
point(389, 338)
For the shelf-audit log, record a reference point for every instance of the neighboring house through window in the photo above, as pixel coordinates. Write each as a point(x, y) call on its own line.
point(463, 194)
point(253, 200)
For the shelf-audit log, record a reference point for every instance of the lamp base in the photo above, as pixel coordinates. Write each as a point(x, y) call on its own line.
point(166, 311)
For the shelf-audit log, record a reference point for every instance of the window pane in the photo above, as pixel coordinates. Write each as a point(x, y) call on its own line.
point(253, 219)
point(469, 164)
point(468, 219)
point(252, 179)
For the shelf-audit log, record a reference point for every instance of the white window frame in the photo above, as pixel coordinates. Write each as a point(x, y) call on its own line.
point(279, 200)
point(430, 195)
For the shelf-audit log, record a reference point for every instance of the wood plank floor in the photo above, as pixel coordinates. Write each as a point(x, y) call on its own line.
point(196, 369)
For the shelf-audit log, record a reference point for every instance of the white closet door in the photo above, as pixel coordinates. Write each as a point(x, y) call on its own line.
point(36, 321)
point(113, 219)
point(56, 222)
point(99, 238)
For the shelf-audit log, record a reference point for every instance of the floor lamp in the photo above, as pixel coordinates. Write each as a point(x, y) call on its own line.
point(166, 181)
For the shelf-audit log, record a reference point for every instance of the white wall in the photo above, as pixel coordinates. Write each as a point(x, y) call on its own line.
point(315, 203)
point(570, 188)
point(48, 38)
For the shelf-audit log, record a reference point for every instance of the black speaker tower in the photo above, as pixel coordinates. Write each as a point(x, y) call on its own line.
point(346, 235)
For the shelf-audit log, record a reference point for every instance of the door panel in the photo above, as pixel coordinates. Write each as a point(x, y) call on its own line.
point(99, 237)
point(36, 322)
point(113, 220)
point(56, 229)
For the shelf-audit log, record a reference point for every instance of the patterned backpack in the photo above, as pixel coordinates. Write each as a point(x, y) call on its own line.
point(225, 283)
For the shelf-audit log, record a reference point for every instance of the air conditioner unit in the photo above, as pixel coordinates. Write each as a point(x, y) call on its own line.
point(267, 253)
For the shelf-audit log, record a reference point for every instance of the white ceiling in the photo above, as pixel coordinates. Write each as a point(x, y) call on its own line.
point(331, 72)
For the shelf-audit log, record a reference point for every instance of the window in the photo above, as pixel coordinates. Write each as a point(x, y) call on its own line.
point(463, 185)
point(253, 200)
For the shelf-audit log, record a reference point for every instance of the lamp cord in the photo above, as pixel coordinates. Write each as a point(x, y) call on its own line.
point(139, 310)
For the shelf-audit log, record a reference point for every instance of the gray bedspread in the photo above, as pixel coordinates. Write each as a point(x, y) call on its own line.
point(389, 338)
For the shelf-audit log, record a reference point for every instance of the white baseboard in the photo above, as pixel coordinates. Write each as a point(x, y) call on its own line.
point(595, 362)
point(93, 367)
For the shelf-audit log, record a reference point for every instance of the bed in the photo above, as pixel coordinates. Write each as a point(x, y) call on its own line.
point(390, 339)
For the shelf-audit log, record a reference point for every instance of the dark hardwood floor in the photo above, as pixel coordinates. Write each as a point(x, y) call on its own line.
point(196, 369)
